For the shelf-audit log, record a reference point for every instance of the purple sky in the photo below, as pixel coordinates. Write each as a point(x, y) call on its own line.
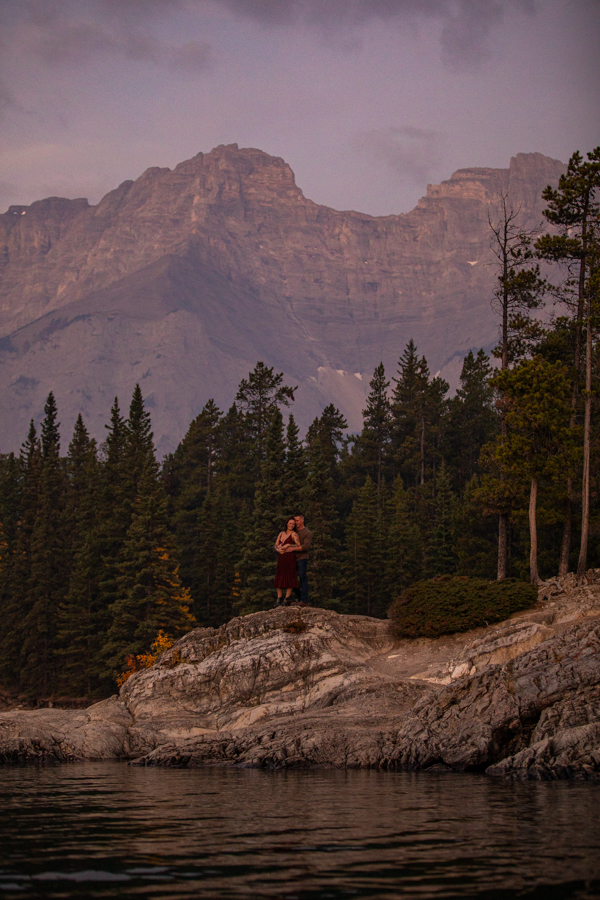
point(367, 100)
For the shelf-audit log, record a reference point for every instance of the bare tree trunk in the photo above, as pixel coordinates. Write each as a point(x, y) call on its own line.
point(533, 566)
point(503, 524)
point(502, 545)
point(585, 484)
point(423, 450)
point(565, 547)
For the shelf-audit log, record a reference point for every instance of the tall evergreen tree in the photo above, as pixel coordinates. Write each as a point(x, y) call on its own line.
point(365, 554)
point(237, 463)
point(540, 443)
point(419, 409)
point(472, 418)
point(375, 436)
point(318, 505)
point(216, 554)
point(519, 290)
point(50, 427)
point(258, 397)
point(81, 626)
point(403, 555)
point(441, 556)
point(14, 558)
point(258, 558)
point(475, 535)
point(46, 584)
point(151, 597)
point(138, 450)
point(294, 474)
point(188, 474)
point(114, 515)
point(574, 209)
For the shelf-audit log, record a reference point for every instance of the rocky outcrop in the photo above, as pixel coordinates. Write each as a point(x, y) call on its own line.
point(291, 687)
point(183, 279)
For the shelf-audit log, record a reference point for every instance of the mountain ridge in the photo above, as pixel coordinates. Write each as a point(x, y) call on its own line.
point(184, 278)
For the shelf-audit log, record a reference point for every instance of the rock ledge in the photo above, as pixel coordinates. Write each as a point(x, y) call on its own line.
point(291, 687)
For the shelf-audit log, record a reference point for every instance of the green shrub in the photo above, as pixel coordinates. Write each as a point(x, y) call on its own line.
point(449, 604)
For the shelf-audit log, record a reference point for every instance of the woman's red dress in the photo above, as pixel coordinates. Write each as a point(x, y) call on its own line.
point(286, 574)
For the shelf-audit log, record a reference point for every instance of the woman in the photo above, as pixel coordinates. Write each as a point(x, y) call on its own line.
point(286, 575)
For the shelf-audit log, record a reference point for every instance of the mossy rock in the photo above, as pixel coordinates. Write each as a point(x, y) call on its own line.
point(447, 604)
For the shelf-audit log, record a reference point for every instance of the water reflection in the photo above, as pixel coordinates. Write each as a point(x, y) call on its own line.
point(108, 830)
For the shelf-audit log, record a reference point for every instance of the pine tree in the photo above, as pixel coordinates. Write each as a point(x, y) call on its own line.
point(403, 554)
point(46, 584)
point(257, 398)
point(329, 428)
point(375, 436)
point(540, 443)
point(476, 536)
point(237, 463)
point(294, 475)
point(129, 457)
point(441, 557)
point(574, 208)
point(226, 558)
point(114, 515)
point(365, 554)
point(418, 408)
point(258, 560)
point(151, 597)
point(189, 471)
point(217, 552)
point(472, 418)
point(81, 626)
point(50, 427)
point(13, 567)
point(318, 505)
point(188, 475)
point(519, 290)
point(138, 450)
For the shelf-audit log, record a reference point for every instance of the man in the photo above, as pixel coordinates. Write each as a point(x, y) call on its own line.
point(305, 537)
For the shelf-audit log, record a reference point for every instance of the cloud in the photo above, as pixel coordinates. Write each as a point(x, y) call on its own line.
point(192, 57)
point(64, 33)
point(466, 25)
point(465, 39)
point(410, 152)
point(70, 32)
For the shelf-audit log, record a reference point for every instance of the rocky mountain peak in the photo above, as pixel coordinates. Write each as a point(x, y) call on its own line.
point(185, 277)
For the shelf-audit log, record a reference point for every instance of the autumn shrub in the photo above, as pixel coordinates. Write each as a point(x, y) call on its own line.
point(145, 660)
point(450, 604)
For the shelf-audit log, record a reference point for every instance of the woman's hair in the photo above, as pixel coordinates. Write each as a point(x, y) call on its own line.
point(289, 519)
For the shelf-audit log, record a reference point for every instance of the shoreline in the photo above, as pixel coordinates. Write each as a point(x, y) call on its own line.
point(310, 688)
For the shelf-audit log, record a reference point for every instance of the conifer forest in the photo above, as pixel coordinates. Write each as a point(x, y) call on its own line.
point(104, 549)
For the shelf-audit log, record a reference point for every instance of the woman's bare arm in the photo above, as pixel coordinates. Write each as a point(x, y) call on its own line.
point(290, 548)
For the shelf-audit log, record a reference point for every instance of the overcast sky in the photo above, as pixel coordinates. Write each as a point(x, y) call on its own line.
point(367, 100)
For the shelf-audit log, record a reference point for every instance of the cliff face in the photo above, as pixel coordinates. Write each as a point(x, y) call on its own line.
point(183, 279)
point(291, 687)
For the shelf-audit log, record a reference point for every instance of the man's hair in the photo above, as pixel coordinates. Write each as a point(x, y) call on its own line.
point(299, 516)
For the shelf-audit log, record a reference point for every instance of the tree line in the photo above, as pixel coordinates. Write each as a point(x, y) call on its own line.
point(102, 548)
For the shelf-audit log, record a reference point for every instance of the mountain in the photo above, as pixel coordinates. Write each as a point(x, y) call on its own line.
point(183, 279)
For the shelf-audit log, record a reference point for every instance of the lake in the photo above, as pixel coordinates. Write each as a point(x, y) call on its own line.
point(111, 830)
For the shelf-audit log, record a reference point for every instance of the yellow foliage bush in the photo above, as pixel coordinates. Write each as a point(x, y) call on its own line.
point(145, 660)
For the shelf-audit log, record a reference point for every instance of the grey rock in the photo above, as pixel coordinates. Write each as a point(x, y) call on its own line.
point(99, 732)
point(291, 687)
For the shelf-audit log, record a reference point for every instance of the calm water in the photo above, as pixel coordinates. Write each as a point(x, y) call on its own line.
point(108, 830)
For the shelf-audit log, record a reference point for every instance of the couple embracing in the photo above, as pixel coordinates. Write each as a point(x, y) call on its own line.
point(292, 547)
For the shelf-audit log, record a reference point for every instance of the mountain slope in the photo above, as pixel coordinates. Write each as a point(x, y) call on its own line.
point(183, 279)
